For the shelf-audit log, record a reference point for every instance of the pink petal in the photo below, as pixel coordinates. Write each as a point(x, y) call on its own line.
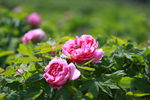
point(59, 78)
point(48, 77)
point(98, 55)
point(20, 70)
point(74, 72)
point(65, 53)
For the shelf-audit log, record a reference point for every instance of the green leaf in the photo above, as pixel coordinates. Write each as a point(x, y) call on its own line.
point(26, 60)
point(110, 84)
point(48, 49)
point(42, 45)
point(118, 40)
point(64, 39)
point(10, 79)
point(33, 95)
point(10, 70)
point(5, 53)
point(2, 96)
point(115, 76)
point(62, 94)
point(88, 62)
point(89, 95)
point(44, 50)
point(25, 49)
point(125, 82)
point(1, 70)
point(12, 96)
point(137, 93)
point(86, 68)
point(37, 95)
point(78, 96)
point(105, 88)
point(94, 89)
point(35, 77)
point(141, 84)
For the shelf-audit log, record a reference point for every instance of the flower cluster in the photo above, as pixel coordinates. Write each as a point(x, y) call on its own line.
point(33, 35)
point(78, 50)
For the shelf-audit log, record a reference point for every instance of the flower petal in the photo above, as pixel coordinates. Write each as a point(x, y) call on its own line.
point(98, 55)
point(74, 72)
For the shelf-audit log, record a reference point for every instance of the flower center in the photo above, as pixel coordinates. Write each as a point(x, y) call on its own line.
point(77, 46)
point(55, 69)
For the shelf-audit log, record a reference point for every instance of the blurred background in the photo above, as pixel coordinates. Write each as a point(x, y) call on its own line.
point(128, 19)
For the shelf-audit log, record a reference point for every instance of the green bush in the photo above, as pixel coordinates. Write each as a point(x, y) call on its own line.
point(123, 74)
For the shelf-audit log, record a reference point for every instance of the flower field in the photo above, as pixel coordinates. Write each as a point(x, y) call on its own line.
point(74, 50)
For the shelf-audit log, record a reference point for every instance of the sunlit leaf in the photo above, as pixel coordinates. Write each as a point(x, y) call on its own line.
point(5, 53)
point(25, 49)
point(125, 82)
point(86, 68)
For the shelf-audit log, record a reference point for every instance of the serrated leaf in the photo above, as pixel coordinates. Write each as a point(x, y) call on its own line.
point(10, 79)
point(111, 85)
point(44, 50)
point(25, 49)
point(64, 39)
point(42, 45)
point(35, 77)
point(118, 40)
point(48, 49)
point(26, 60)
point(105, 89)
point(115, 76)
point(10, 70)
point(12, 96)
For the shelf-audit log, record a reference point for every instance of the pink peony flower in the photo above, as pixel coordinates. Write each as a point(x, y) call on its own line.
point(82, 49)
point(33, 35)
point(34, 19)
point(19, 71)
point(58, 71)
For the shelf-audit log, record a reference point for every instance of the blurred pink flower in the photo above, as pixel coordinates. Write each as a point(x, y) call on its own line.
point(33, 35)
point(53, 52)
point(54, 47)
point(34, 19)
point(82, 49)
point(58, 71)
point(19, 71)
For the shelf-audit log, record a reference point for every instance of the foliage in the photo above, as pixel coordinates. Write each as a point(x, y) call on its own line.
point(123, 74)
